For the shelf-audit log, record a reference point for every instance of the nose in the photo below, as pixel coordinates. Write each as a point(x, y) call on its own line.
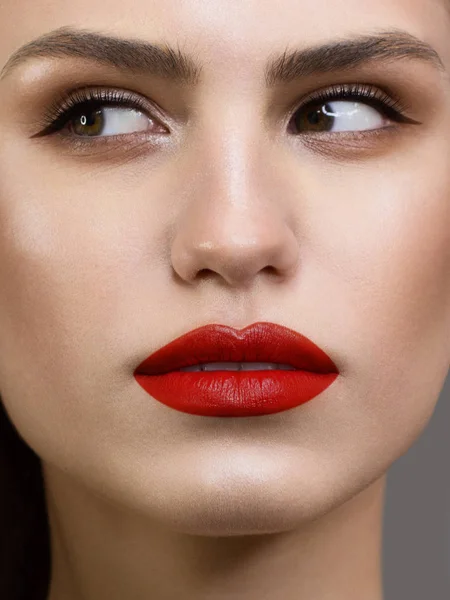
point(233, 224)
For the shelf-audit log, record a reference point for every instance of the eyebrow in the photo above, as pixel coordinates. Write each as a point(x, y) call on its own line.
point(173, 64)
point(125, 54)
point(346, 54)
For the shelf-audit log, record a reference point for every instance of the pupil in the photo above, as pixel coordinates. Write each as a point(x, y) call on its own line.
point(318, 118)
point(314, 117)
point(89, 119)
point(89, 123)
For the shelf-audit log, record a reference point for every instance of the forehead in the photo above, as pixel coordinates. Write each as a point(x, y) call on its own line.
point(235, 36)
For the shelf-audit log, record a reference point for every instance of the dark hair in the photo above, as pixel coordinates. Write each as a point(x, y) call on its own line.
point(24, 531)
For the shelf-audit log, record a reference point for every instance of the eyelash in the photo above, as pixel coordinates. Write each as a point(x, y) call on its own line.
point(389, 104)
point(72, 104)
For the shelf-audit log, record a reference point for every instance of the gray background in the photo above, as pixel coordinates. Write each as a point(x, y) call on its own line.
point(416, 525)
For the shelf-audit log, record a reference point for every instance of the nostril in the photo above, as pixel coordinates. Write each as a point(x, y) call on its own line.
point(204, 273)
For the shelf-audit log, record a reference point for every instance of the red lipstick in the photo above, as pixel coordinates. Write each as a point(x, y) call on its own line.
point(237, 393)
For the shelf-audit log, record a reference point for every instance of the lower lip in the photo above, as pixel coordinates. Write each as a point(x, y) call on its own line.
point(235, 393)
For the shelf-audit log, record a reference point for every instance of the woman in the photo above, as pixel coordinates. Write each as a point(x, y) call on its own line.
point(262, 184)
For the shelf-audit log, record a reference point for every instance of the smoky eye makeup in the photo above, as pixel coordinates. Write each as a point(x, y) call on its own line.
point(316, 114)
point(94, 118)
point(351, 121)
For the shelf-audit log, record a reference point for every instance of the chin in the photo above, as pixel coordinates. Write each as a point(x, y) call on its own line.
point(243, 498)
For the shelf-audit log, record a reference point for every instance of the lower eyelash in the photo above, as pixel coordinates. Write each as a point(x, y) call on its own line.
point(86, 147)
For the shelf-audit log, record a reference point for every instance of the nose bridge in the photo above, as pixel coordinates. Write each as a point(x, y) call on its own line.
point(231, 224)
point(228, 142)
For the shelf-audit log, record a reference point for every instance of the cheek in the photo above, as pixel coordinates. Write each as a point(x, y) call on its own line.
point(404, 276)
point(67, 304)
point(81, 268)
point(388, 260)
point(398, 262)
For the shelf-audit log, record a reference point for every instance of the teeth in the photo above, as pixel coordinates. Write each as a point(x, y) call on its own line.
point(242, 366)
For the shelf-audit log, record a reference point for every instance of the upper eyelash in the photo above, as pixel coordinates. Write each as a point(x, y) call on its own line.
point(378, 98)
point(70, 103)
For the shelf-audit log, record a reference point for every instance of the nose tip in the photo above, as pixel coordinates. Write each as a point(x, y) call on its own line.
point(236, 254)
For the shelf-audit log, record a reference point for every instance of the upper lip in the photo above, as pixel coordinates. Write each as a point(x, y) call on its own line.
point(259, 342)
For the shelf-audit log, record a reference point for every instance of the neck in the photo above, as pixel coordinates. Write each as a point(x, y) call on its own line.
point(101, 552)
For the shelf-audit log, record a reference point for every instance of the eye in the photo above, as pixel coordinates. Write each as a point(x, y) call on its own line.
point(354, 108)
point(88, 113)
point(340, 116)
point(106, 121)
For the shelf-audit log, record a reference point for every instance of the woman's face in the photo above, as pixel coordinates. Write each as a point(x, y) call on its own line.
point(225, 197)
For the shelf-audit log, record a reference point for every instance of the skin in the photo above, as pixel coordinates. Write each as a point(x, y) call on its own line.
point(107, 256)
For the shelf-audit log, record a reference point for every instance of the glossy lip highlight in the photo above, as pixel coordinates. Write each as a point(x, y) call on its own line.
point(237, 393)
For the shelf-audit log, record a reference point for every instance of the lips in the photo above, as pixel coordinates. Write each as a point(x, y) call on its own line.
point(237, 393)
